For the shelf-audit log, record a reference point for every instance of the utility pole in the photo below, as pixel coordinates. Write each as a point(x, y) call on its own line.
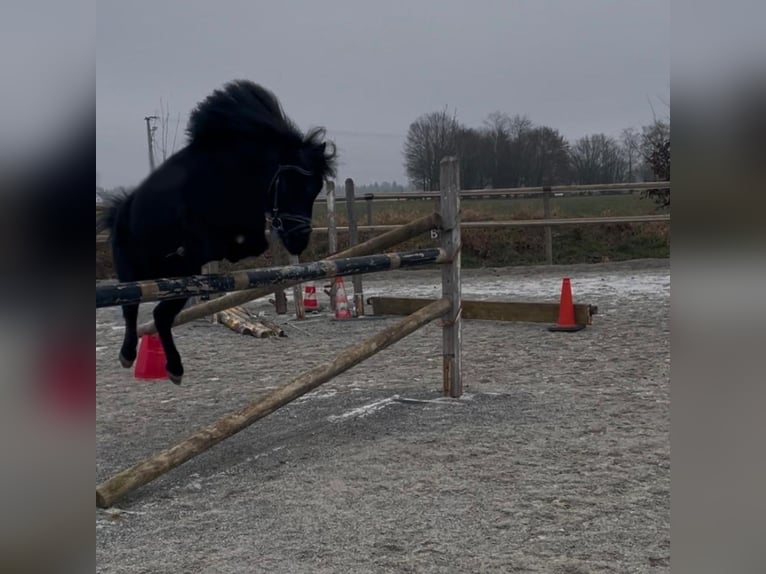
point(150, 140)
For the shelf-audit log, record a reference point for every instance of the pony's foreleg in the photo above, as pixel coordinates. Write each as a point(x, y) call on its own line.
point(164, 314)
point(130, 340)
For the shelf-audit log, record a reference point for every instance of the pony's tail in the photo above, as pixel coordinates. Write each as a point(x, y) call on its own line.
point(107, 219)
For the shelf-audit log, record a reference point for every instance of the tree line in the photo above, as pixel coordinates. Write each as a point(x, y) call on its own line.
point(511, 151)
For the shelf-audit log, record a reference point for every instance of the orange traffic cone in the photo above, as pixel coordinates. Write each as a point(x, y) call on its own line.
point(310, 302)
point(150, 364)
point(341, 301)
point(566, 320)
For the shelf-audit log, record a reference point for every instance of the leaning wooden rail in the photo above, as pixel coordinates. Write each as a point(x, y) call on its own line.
point(111, 490)
point(375, 245)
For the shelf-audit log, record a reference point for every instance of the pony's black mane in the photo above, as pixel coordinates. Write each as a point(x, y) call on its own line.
point(244, 110)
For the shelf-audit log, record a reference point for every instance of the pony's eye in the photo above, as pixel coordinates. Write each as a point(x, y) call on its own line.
point(240, 239)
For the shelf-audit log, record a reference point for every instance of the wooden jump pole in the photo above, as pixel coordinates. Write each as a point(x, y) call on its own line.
point(374, 245)
point(111, 490)
point(111, 294)
point(449, 185)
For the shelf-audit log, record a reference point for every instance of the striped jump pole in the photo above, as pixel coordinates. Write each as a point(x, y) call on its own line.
point(111, 294)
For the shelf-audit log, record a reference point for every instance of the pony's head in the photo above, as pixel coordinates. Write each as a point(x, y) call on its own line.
point(297, 181)
point(298, 164)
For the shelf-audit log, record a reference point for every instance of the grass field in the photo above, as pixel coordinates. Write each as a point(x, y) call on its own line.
point(499, 247)
point(395, 212)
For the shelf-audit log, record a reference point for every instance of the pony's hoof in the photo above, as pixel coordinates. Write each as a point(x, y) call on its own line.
point(126, 364)
point(175, 379)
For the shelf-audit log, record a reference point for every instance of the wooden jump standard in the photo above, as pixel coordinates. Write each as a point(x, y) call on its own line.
point(111, 490)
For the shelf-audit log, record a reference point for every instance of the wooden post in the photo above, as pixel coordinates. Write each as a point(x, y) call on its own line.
point(373, 245)
point(548, 228)
point(111, 490)
point(207, 269)
point(353, 238)
point(332, 235)
point(210, 268)
point(300, 311)
point(279, 257)
point(449, 181)
point(368, 197)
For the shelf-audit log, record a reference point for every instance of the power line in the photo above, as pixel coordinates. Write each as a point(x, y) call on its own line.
point(365, 134)
point(342, 132)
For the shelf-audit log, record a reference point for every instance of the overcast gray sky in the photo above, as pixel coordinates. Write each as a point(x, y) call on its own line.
point(365, 70)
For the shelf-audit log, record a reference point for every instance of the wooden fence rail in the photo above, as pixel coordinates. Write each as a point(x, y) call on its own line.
point(557, 222)
point(599, 189)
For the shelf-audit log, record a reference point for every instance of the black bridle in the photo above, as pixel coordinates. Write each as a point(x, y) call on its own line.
point(277, 220)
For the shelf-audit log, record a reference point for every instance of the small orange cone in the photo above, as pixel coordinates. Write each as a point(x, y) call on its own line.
point(341, 301)
point(566, 320)
point(150, 364)
point(310, 302)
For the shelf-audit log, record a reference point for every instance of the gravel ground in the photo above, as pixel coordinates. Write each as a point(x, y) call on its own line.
point(557, 459)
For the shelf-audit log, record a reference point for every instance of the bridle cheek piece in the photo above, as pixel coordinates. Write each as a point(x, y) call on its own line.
point(277, 220)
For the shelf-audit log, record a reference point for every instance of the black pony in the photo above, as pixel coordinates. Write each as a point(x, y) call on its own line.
point(245, 162)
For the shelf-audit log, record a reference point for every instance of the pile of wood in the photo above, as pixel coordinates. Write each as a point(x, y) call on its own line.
point(241, 321)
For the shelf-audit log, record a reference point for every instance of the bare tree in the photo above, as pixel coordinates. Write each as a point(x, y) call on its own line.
point(631, 143)
point(542, 155)
point(474, 150)
point(504, 133)
point(598, 159)
point(504, 152)
point(165, 146)
point(429, 138)
point(655, 149)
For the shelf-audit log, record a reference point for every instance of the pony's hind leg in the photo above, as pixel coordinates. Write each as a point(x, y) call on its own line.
point(164, 314)
point(130, 340)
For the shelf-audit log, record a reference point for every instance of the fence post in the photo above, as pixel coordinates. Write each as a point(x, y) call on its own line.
point(332, 234)
point(208, 268)
point(300, 310)
point(368, 197)
point(449, 182)
point(548, 228)
point(279, 256)
point(353, 238)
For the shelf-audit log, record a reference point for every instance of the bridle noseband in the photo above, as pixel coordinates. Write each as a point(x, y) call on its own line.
point(277, 220)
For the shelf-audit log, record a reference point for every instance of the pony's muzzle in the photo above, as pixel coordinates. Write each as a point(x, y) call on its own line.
point(296, 241)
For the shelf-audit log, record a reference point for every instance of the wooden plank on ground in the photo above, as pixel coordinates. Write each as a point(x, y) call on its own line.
point(486, 310)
